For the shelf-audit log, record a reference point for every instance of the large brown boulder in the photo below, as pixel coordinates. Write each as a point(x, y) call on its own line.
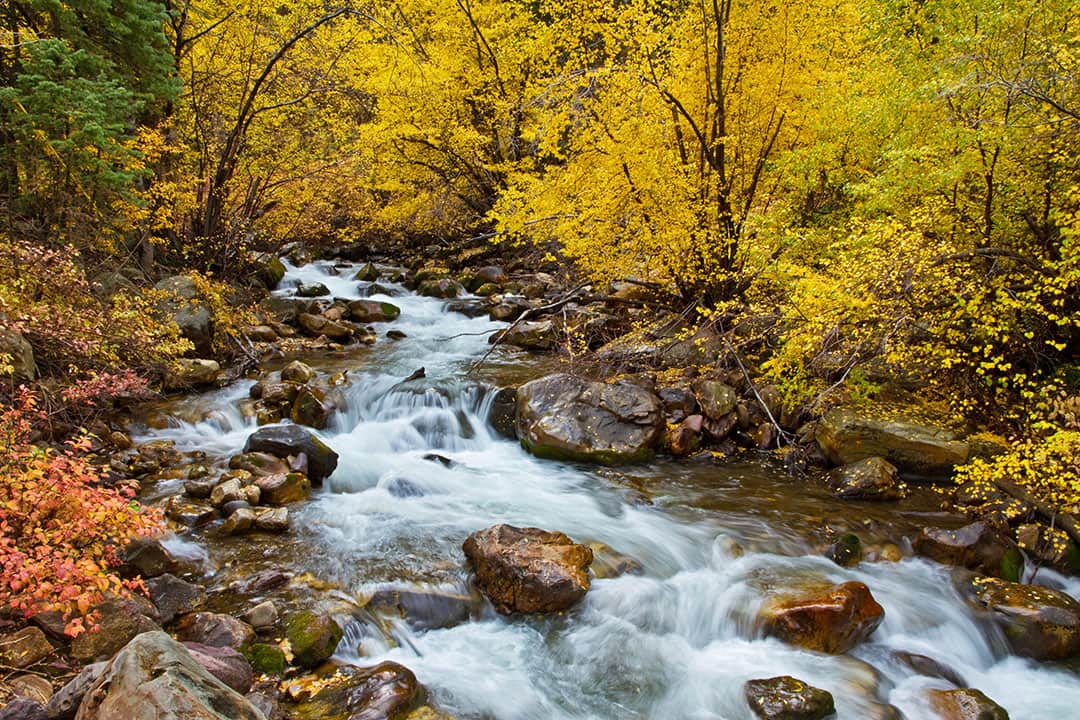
point(155, 678)
point(788, 698)
point(832, 620)
point(914, 446)
point(1038, 622)
point(976, 546)
point(563, 417)
point(528, 570)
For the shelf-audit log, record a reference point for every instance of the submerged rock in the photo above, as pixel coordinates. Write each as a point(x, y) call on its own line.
point(788, 698)
point(528, 570)
point(847, 436)
point(285, 440)
point(1038, 622)
point(155, 678)
point(976, 546)
point(563, 417)
point(831, 621)
point(426, 608)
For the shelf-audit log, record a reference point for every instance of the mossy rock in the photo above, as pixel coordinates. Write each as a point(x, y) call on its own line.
point(312, 637)
point(266, 659)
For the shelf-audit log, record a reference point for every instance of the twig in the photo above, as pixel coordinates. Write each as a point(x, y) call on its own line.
point(782, 434)
point(531, 312)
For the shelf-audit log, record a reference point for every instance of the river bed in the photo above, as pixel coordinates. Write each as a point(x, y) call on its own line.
point(713, 538)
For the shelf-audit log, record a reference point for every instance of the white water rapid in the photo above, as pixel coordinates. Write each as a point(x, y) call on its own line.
point(675, 642)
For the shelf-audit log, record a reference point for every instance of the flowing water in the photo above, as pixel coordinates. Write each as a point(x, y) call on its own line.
point(676, 640)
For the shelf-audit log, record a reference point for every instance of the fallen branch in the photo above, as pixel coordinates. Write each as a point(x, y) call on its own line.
point(1065, 521)
point(781, 433)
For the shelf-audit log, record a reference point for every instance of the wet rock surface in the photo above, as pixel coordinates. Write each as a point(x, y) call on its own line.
point(387, 691)
point(563, 417)
point(966, 704)
point(290, 440)
point(1038, 622)
point(528, 570)
point(831, 620)
point(313, 637)
point(788, 698)
point(975, 546)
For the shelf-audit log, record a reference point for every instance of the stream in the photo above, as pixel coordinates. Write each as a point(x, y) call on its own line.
point(675, 641)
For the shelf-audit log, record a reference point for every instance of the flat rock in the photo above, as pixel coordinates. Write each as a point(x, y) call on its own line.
point(913, 446)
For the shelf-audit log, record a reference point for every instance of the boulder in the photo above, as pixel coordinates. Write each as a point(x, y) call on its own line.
point(311, 408)
point(283, 488)
point(190, 313)
point(313, 637)
point(21, 354)
point(173, 596)
point(831, 621)
point(387, 691)
point(873, 478)
point(966, 704)
point(373, 311)
point(715, 398)
point(1037, 621)
point(227, 492)
point(788, 698)
point(285, 440)
point(119, 620)
point(224, 663)
point(563, 417)
point(155, 678)
point(530, 335)
point(367, 273)
point(679, 403)
point(528, 570)
point(191, 372)
point(24, 648)
point(215, 630)
point(190, 514)
point(915, 447)
point(976, 546)
point(239, 521)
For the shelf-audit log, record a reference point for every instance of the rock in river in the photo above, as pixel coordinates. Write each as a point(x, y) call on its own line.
point(966, 704)
point(387, 691)
point(788, 698)
point(528, 570)
point(312, 637)
point(831, 621)
point(563, 417)
point(285, 440)
point(155, 678)
point(873, 478)
point(1038, 622)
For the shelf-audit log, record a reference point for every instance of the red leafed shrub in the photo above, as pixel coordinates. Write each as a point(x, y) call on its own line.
point(60, 526)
